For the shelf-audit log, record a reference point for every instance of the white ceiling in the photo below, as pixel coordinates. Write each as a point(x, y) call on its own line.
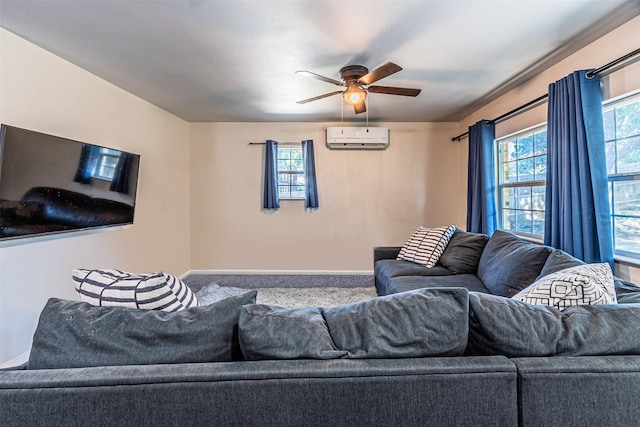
point(235, 60)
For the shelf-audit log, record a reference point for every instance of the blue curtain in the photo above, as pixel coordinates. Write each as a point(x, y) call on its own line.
point(86, 164)
point(270, 199)
point(311, 186)
point(481, 206)
point(577, 218)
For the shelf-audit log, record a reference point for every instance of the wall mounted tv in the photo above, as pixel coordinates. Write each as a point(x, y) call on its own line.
point(53, 185)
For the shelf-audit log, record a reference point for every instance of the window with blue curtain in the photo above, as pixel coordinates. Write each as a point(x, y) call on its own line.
point(290, 174)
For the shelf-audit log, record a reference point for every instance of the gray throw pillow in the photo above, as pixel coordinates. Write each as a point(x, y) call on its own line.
point(424, 322)
point(273, 332)
point(512, 328)
point(463, 252)
point(72, 334)
point(509, 264)
point(558, 260)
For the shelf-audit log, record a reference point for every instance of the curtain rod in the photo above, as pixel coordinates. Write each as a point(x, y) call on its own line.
point(542, 98)
point(264, 143)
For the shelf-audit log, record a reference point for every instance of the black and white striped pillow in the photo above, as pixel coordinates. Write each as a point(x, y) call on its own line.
point(151, 291)
point(426, 245)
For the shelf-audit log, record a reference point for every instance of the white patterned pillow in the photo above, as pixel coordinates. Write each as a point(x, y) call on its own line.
point(588, 284)
point(152, 291)
point(426, 245)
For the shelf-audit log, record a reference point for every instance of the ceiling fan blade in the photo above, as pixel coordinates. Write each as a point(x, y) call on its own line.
point(315, 98)
point(360, 107)
point(319, 77)
point(379, 73)
point(394, 90)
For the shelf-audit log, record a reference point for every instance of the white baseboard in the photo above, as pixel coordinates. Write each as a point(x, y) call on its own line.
point(18, 360)
point(284, 272)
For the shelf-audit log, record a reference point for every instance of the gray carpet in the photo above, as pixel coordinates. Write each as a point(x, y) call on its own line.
point(288, 297)
point(256, 281)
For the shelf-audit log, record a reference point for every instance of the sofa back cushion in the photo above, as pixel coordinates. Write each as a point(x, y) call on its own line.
point(513, 328)
point(420, 323)
point(75, 334)
point(509, 264)
point(559, 260)
point(462, 254)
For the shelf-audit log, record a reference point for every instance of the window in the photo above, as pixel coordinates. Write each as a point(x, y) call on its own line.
point(622, 143)
point(291, 183)
point(522, 168)
point(106, 163)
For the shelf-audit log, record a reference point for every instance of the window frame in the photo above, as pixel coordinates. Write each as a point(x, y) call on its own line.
point(501, 185)
point(612, 178)
point(290, 195)
point(103, 156)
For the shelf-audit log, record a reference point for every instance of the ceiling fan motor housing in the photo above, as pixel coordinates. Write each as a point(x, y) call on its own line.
point(353, 72)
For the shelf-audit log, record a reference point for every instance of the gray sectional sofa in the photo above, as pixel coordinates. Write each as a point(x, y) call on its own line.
point(428, 355)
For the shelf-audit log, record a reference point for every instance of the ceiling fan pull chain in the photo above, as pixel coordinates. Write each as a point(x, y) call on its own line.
point(367, 103)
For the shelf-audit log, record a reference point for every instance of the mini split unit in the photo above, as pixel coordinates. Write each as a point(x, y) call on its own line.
point(357, 138)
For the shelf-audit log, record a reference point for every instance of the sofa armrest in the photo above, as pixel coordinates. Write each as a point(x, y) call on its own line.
point(385, 252)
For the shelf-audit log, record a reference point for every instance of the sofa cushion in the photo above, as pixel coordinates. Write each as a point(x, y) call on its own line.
point(394, 268)
point(425, 245)
point(463, 252)
point(509, 264)
point(74, 334)
point(410, 283)
point(426, 322)
point(151, 291)
point(559, 260)
point(273, 332)
point(504, 326)
point(588, 284)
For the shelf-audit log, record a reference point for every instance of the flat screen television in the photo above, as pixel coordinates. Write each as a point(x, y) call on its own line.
point(53, 185)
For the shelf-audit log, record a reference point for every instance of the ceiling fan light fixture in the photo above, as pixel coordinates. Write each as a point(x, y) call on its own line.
point(354, 94)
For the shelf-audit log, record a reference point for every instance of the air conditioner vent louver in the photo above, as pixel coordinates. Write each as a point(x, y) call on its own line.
point(357, 138)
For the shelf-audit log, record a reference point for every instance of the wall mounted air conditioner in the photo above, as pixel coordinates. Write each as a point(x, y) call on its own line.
point(357, 138)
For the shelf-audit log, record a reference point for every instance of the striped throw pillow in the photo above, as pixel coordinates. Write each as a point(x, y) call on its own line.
point(426, 245)
point(152, 291)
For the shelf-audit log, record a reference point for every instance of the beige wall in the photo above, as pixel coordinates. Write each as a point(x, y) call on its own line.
point(367, 198)
point(42, 92)
point(619, 42)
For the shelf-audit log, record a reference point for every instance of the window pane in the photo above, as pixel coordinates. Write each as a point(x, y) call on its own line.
point(538, 223)
point(537, 197)
point(627, 234)
point(510, 172)
point(525, 170)
point(525, 224)
point(629, 155)
point(609, 124)
point(509, 148)
point(508, 220)
point(540, 171)
point(508, 197)
point(524, 146)
point(540, 139)
point(628, 120)
point(610, 150)
point(626, 197)
point(524, 198)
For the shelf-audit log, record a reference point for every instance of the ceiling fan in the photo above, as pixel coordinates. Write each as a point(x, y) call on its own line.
point(356, 79)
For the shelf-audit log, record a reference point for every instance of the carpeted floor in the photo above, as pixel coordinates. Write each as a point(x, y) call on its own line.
point(316, 297)
point(256, 281)
point(285, 290)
